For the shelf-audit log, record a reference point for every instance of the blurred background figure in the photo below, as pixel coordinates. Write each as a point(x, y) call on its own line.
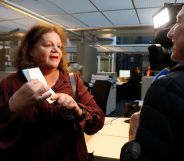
point(78, 69)
point(75, 68)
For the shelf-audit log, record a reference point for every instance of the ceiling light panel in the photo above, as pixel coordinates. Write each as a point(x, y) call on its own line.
point(75, 6)
point(151, 3)
point(94, 19)
point(122, 17)
point(113, 4)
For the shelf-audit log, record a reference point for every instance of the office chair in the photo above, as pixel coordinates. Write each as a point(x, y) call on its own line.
point(100, 91)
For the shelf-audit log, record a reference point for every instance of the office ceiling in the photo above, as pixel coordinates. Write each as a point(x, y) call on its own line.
point(93, 18)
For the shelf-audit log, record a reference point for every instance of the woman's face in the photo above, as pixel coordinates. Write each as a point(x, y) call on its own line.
point(176, 34)
point(47, 52)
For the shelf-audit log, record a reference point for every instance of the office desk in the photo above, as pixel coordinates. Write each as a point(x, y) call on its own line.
point(106, 144)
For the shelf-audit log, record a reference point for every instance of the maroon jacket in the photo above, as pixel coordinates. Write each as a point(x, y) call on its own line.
point(40, 133)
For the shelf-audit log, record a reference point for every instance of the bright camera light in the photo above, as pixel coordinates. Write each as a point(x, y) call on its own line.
point(161, 18)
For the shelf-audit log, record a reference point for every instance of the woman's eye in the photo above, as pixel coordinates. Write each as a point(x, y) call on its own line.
point(60, 47)
point(47, 45)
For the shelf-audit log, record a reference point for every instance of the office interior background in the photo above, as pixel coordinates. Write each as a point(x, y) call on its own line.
point(105, 36)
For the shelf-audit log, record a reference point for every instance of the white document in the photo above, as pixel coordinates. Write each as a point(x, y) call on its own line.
point(35, 73)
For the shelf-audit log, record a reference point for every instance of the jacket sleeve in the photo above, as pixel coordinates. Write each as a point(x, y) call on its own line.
point(94, 119)
point(9, 122)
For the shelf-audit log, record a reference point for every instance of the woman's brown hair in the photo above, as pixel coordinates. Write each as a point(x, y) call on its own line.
point(23, 58)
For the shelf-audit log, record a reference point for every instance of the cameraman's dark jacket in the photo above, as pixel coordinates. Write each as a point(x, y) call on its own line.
point(161, 131)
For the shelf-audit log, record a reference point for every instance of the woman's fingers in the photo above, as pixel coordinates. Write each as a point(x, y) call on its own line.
point(64, 100)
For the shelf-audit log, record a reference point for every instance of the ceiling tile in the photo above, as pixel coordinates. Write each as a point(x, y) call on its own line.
point(75, 6)
point(26, 23)
point(6, 27)
point(68, 21)
point(145, 15)
point(42, 7)
point(94, 19)
point(11, 19)
point(180, 1)
point(83, 14)
point(7, 13)
point(122, 17)
point(113, 4)
point(151, 3)
point(10, 25)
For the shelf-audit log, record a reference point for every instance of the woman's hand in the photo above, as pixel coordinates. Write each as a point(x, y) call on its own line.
point(66, 102)
point(28, 95)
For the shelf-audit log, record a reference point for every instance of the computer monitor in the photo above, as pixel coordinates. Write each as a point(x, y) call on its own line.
point(124, 73)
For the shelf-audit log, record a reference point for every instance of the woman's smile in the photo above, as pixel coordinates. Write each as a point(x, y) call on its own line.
point(53, 57)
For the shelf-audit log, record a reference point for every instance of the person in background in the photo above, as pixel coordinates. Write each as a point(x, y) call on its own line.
point(75, 67)
point(134, 84)
point(31, 129)
point(160, 132)
point(136, 74)
point(78, 69)
point(148, 71)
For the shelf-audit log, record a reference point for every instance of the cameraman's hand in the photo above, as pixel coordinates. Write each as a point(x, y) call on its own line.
point(134, 124)
point(28, 95)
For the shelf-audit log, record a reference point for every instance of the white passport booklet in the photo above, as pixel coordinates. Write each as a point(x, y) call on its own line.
point(35, 73)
